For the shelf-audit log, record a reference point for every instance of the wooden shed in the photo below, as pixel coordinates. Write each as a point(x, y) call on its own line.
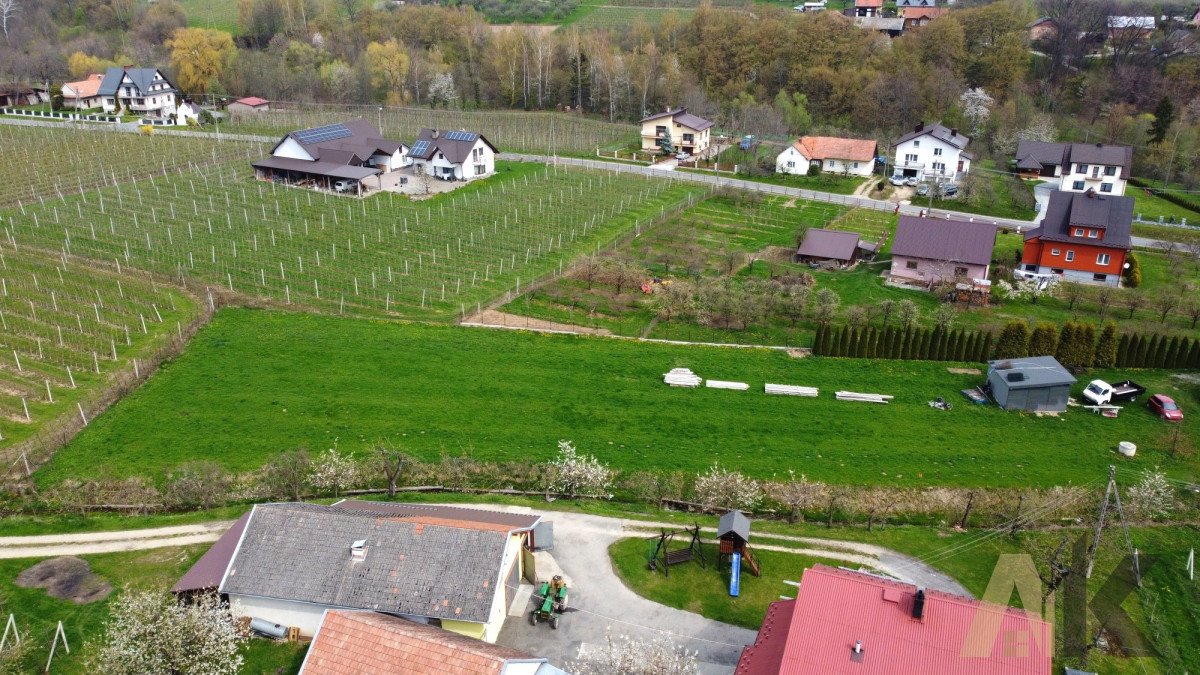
point(733, 534)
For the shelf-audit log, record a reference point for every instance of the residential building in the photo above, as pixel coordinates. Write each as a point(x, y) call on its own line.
point(353, 150)
point(248, 105)
point(890, 26)
point(903, 4)
point(138, 91)
point(829, 154)
point(1042, 28)
point(868, 7)
point(932, 152)
point(915, 17)
point(457, 568)
point(1130, 27)
point(84, 94)
point(1095, 166)
point(453, 155)
point(1040, 159)
point(929, 250)
point(1084, 237)
point(370, 643)
point(688, 133)
point(1032, 384)
point(833, 247)
point(15, 93)
point(844, 623)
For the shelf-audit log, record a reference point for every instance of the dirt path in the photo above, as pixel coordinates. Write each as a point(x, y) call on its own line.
point(497, 319)
point(85, 543)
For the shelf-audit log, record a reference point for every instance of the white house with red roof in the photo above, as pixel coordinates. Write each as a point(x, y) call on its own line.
point(828, 153)
point(850, 623)
point(688, 133)
point(83, 94)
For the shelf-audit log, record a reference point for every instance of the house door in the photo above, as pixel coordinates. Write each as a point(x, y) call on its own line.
point(960, 166)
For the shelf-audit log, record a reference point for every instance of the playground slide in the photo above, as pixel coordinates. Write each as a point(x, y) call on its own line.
point(735, 574)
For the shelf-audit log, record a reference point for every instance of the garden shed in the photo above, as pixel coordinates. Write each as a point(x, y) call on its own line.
point(1035, 384)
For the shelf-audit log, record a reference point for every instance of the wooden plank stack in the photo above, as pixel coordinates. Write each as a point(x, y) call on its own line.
point(863, 398)
point(682, 377)
point(719, 384)
point(791, 390)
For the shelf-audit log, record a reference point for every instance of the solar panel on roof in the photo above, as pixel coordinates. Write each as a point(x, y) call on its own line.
point(461, 136)
point(329, 132)
point(419, 148)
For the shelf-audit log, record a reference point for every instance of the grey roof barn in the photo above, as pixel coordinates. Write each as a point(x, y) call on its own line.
point(1034, 383)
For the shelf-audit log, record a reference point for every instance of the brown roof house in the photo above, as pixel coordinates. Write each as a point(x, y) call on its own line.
point(929, 250)
point(688, 133)
point(347, 152)
point(294, 561)
point(370, 643)
point(83, 94)
point(832, 247)
point(828, 153)
point(453, 155)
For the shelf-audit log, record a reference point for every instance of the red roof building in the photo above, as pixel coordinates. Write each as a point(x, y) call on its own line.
point(1084, 237)
point(849, 623)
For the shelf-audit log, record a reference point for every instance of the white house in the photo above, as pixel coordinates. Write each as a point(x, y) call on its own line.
point(932, 152)
point(453, 155)
point(1095, 166)
point(687, 132)
point(139, 91)
point(352, 151)
point(452, 567)
point(829, 154)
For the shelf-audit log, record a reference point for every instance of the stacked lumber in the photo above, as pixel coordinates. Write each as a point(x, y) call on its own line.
point(791, 390)
point(863, 398)
point(719, 384)
point(682, 377)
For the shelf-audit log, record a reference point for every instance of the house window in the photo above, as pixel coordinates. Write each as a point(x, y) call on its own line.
point(1055, 251)
point(1079, 232)
point(1092, 234)
point(1077, 185)
point(916, 144)
point(660, 131)
point(791, 165)
point(1110, 171)
point(1070, 256)
point(480, 169)
point(1081, 168)
point(688, 138)
point(855, 165)
point(829, 164)
point(1106, 187)
point(1099, 277)
point(960, 271)
point(910, 158)
point(1102, 259)
point(911, 264)
point(937, 152)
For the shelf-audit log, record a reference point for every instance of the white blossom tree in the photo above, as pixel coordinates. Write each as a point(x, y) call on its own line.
point(625, 655)
point(977, 107)
point(333, 471)
point(573, 473)
point(721, 488)
point(1152, 496)
point(150, 632)
point(441, 90)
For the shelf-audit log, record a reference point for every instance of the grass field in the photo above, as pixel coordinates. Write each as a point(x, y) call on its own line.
point(244, 391)
point(385, 254)
point(999, 200)
point(621, 19)
point(510, 131)
point(218, 14)
point(67, 329)
point(86, 159)
point(1152, 207)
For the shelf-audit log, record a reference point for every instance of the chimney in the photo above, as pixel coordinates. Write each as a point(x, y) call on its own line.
point(920, 126)
point(857, 652)
point(358, 550)
point(1091, 193)
point(1099, 145)
point(434, 133)
point(953, 133)
point(918, 609)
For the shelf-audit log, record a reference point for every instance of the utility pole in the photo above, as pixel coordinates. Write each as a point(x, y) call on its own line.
point(1112, 494)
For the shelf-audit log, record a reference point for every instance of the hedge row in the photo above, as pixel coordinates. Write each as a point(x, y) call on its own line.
point(1158, 351)
point(1186, 201)
point(893, 342)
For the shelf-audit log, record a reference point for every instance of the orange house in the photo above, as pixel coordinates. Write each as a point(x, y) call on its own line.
point(1084, 237)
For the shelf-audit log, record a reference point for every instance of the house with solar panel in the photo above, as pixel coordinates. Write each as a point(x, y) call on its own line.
point(351, 156)
point(453, 155)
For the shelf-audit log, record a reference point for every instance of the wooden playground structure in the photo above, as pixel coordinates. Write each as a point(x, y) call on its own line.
point(733, 536)
point(661, 554)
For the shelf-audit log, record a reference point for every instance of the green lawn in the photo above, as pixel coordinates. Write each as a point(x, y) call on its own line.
point(255, 383)
point(218, 14)
point(997, 200)
point(1152, 207)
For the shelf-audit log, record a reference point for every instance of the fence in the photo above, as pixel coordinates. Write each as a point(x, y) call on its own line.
point(70, 117)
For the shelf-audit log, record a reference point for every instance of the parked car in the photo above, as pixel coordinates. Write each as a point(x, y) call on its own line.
point(1165, 407)
point(911, 182)
point(897, 180)
point(682, 156)
point(948, 190)
point(923, 189)
point(344, 186)
point(1100, 392)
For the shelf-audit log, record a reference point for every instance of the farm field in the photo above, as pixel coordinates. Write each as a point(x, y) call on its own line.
point(218, 14)
point(244, 391)
point(382, 255)
point(524, 132)
point(87, 159)
point(68, 330)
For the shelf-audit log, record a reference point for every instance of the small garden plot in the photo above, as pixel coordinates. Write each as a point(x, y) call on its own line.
point(67, 329)
point(385, 255)
point(85, 160)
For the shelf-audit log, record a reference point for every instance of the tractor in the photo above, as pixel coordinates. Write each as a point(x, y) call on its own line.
point(553, 596)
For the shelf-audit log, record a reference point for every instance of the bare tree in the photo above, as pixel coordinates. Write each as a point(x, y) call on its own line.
point(197, 484)
point(287, 474)
point(635, 656)
point(1164, 303)
point(1071, 292)
point(1133, 301)
point(796, 494)
point(886, 307)
point(908, 312)
point(8, 9)
point(1193, 311)
point(1104, 298)
point(392, 462)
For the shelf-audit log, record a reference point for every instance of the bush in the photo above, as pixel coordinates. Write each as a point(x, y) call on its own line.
point(1133, 273)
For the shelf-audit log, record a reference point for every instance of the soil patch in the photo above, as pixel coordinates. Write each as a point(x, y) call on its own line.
point(66, 578)
point(965, 371)
point(491, 317)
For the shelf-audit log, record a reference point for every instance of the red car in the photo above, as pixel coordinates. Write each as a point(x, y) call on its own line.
point(1165, 407)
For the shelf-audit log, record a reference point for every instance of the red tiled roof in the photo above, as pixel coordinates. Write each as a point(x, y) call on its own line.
point(764, 656)
point(837, 608)
point(369, 643)
point(87, 88)
point(831, 147)
point(914, 13)
point(868, 3)
point(252, 101)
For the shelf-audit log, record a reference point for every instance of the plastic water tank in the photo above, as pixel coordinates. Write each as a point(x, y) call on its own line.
point(1126, 448)
point(264, 627)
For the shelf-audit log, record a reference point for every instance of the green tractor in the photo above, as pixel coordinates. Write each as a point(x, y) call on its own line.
point(553, 595)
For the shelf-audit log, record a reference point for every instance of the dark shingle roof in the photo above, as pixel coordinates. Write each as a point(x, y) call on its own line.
point(342, 142)
point(455, 146)
point(944, 134)
point(1098, 153)
point(829, 244)
point(950, 240)
point(301, 552)
point(682, 116)
point(735, 522)
point(141, 77)
point(427, 512)
point(1036, 371)
point(330, 169)
point(1033, 154)
point(1110, 213)
point(207, 572)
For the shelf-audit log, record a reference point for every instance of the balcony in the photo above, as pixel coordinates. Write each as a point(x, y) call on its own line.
point(910, 165)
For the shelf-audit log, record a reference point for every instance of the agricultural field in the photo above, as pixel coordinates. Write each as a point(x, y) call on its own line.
point(523, 132)
point(43, 163)
point(218, 14)
point(384, 255)
point(243, 392)
point(70, 329)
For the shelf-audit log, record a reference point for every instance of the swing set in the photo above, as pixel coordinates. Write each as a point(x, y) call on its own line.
point(659, 553)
